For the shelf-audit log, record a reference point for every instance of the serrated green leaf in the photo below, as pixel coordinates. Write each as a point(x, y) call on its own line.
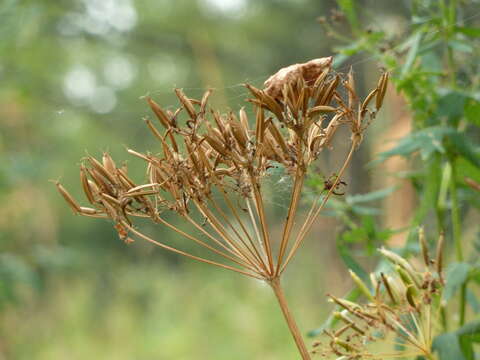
point(426, 142)
point(457, 274)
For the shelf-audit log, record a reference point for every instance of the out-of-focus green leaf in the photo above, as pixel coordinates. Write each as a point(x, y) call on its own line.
point(473, 301)
point(472, 112)
point(471, 330)
point(371, 196)
point(460, 46)
point(448, 347)
point(469, 31)
point(426, 142)
point(457, 274)
point(451, 105)
point(364, 210)
point(350, 262)
point(465, 148)
point(348, 7)
point(414, 43)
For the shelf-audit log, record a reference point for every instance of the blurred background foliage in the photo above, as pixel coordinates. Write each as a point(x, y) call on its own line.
point(72, 77)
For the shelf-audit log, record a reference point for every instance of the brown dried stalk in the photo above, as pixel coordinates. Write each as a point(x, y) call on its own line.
point(209, 154)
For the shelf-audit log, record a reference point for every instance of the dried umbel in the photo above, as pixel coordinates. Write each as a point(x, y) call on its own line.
point(402, 309)
point(208, 155)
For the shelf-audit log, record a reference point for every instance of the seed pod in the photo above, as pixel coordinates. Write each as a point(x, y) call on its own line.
point(389, 289)
point(439, 257)
point(159, 112)
point(186, 103)
point(361, 285)
point(87, 211)
point(328, 94)
point(407, 279)
point(424, 246)
point(342, 316)
point(68, 198)
point(141, 187)
point(203, 104)
point(101, 170)
point(108, 163)
point(85, 185)
point(350, 86)
point(382, 86)
point(411, 295)
point(273, 106)
point(217, 145)
point(397, 259)
point(238, 132)
point(279, 139)
point(319, 109)
point(344, 344)
point(367, 100)
point(260, 128)
point(244, 121)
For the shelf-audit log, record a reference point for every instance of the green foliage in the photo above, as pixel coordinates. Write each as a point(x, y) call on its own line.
point(432, 62)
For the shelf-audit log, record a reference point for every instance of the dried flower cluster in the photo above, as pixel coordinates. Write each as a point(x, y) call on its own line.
point(296, 117)
point(207, 155)
point(400, 310)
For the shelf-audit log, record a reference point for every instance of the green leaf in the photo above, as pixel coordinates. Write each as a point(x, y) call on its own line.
point(371, 196)
point(461, 46)
point(457, 274)
point(473, 301)
point(467, 335)
point(469, 31)
point(458, 345)
point(414, 42)
point(426, 142)
point(348, 8)
point(451, 105)
point(448, 347)
point(351, 263)
point(472, 112)
point(470, 330)
point(465, 148)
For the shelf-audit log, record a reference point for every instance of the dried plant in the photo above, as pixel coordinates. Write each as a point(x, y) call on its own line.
point(403, 309)
point(210, 155)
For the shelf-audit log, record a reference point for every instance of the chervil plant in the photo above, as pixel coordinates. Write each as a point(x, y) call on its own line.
point(206, 156)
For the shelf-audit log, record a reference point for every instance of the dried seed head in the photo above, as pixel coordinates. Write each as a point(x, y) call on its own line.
point(308, 71)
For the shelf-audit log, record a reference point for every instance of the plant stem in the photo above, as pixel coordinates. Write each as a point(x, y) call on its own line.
point(457, 236)
point(277, 289)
